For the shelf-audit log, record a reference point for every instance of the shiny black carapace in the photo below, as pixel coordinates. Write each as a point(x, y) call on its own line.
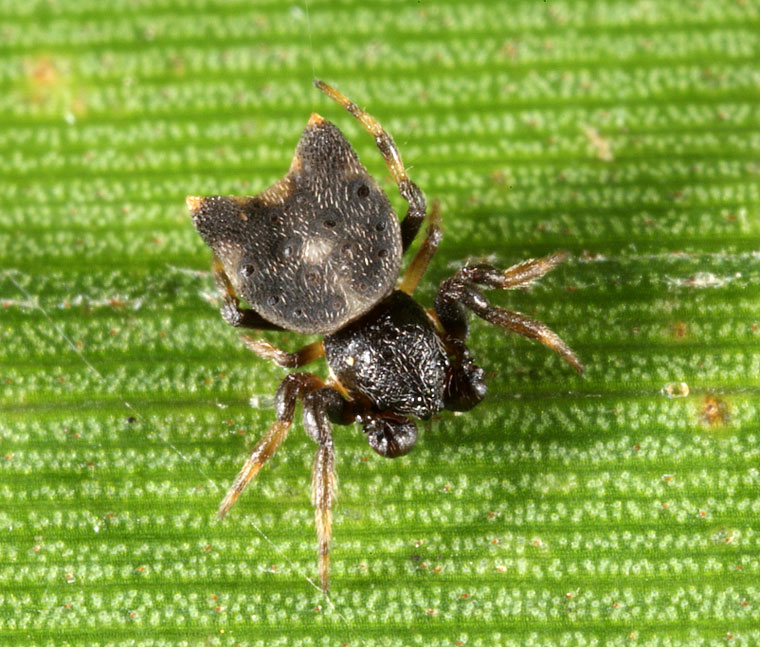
point(319, 252)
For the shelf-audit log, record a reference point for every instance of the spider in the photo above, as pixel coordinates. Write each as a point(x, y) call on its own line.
point(319, 252)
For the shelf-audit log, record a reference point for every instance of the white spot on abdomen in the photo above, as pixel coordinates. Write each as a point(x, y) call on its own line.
point(316, 250)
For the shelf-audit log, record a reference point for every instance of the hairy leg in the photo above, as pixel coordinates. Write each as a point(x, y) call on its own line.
point(321, 405)
point(408, 189)
point(459, 293)
point(319, 409)
point(291, 388)
point(517, 276)
point(301, 357)
point(425, 253)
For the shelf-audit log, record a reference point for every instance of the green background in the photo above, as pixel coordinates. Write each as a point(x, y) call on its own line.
point(620, 508)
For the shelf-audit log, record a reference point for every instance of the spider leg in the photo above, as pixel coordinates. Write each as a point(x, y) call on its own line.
point(231, 311)
point(319, 408)
point(517, 276)
point(301, 357)
point(291, 388)
point(458, 294)
point(425, 253)
point(410, 225)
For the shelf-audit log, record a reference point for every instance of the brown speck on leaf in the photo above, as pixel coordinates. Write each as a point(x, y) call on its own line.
point(680, 329)
point(714, 411)
point(43, 71)
point(499, 178)
point(509, 49)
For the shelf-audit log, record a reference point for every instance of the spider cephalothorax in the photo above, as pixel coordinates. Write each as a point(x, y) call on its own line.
point(319, 252)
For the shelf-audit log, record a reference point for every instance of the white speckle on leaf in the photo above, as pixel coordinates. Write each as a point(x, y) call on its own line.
point(702, 280)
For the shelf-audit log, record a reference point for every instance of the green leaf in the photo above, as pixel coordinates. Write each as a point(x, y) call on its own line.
point(620, 508)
